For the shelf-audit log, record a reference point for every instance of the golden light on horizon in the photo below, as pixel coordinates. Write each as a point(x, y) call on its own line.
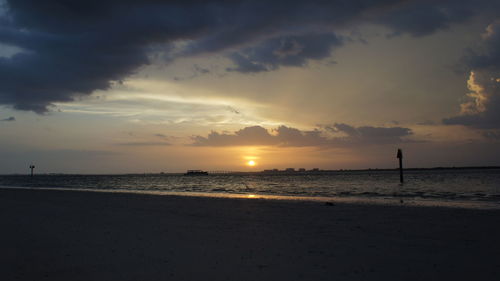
point(250, 159)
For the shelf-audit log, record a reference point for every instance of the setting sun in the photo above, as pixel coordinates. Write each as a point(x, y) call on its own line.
point(251, 163)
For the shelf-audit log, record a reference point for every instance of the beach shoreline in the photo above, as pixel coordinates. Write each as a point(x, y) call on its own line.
point(394, 200)
point(67, 235)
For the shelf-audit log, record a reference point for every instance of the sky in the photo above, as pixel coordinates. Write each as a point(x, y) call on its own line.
point(165, 86)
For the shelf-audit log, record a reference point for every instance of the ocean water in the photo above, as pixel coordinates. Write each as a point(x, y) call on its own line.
point(460, 185)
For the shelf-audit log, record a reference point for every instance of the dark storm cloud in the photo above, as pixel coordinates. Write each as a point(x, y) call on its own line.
point(487, 59)
point(284, 51)
point(421, 18)
point(9, 119)
point(482, 109)
point(328, 136)
point(73, 48)
point(483, 120)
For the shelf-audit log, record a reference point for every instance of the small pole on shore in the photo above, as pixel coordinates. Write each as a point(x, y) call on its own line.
point(400, 157)
point(32, 167)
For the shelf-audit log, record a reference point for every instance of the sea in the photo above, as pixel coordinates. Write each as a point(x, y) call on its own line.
point(477, 188)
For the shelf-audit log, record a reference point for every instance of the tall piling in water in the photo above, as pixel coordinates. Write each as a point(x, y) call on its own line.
point(32, 167)
point(400, 157)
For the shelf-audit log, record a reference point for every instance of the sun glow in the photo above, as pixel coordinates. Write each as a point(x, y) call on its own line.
point(251, 163)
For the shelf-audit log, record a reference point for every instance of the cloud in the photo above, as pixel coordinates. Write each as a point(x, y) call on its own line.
point(486, 58)
point(196, 72)
point(369, 134)
point(164, 140)
point(255, 135)
point(482, 108)
point(73, 48)
point(419, 18)
point(9, 119)
point(326, 136)
point(167, 139)
point(427, 123)
point(233, 110)
point(284, 51)
point(144, 143)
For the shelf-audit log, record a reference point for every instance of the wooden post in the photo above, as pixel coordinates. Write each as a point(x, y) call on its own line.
point(400, 157)
point(32, 167)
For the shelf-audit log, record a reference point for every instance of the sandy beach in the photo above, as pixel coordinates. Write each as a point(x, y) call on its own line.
point(67, 235)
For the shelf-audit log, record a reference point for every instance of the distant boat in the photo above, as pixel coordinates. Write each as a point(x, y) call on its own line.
point(196, 173)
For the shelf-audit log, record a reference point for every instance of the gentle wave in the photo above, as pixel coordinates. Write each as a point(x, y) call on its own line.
point(463, 185)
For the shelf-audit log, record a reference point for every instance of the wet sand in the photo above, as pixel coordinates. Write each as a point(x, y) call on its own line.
point(68, 235)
